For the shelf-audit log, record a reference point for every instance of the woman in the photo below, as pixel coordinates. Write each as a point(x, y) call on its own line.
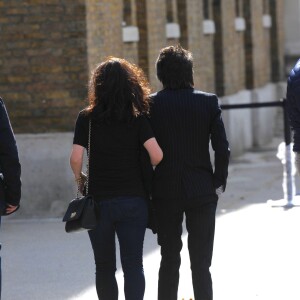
point(118, 102)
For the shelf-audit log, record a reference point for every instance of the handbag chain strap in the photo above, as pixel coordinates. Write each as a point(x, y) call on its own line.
point(89, 156)
point(88, 162)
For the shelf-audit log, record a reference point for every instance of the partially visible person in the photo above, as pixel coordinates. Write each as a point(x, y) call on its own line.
point(118, 106)
point(293, 107)
point(10, 169)
point(184, 121)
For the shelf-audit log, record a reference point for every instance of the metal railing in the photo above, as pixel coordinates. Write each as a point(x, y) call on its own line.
point(289, 195)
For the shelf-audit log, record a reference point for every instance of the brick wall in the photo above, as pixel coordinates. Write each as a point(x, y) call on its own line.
point(43, 62)
point(130, 49)
point(48, 47)
point(259, 45)
point(277, 11)
point(156, 19)
point(104, 30)
point(233, 54)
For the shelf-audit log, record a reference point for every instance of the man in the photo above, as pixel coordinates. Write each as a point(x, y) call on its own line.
point(293, 106)
point(10, 169)
point(184, 121)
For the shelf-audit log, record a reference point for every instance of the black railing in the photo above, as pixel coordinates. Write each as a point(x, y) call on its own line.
point(287, 138)
point(282, 103)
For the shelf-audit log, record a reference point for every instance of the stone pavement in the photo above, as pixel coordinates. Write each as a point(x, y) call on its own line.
point(256, 252)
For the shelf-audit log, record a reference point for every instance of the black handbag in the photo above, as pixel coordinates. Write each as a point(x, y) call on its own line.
point(82, 212)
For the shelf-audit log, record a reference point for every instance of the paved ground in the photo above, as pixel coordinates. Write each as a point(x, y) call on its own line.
point(256, 253)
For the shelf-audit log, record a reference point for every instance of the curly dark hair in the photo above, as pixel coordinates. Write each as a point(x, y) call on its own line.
point(118, 91)
point(174, 67)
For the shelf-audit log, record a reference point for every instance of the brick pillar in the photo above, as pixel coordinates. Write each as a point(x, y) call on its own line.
point(104, 29)
point(130, 49)
point(172, 17)
point(143, 56)
point(201, 47)
point(257, 57)
point(156, 18)
point(232, 50)
point(277, 40)
point(183, 22)
point(219, 48)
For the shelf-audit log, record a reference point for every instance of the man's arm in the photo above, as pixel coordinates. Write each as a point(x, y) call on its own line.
point(221, 147)
point(9, 159)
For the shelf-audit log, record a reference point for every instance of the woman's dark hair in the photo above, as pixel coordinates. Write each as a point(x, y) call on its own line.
point(117, 91)
point(174, 67)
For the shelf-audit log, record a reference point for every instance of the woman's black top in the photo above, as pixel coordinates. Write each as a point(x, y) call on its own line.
point(115, 168)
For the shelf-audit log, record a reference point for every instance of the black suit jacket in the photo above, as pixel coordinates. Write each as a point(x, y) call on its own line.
point(184, 122)
point(9, 160)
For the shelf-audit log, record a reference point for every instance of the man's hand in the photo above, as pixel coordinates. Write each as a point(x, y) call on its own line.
point(219, 190)
point(10, 208)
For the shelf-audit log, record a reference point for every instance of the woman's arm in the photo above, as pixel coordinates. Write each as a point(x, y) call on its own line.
point(155, 152)
point(76, 160)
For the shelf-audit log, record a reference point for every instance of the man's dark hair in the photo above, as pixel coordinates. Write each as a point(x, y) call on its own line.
point(174, 67)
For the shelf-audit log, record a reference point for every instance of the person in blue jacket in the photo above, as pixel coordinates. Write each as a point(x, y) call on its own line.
point(293, 108)
point(10, 169)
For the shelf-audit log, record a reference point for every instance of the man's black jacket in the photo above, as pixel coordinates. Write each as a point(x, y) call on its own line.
point(184, 122)
point(293, 103)
point(9, 160)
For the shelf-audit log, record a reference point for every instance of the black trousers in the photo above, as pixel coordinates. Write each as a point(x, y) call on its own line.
point(200, 224)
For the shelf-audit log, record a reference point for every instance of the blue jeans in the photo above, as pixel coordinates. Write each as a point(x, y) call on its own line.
point(126, 217)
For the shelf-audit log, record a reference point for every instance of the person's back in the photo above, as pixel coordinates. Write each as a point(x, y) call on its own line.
point(118, 129)
point(184, 121)
point(293, 103)
point(115, 167)
point(293, 108)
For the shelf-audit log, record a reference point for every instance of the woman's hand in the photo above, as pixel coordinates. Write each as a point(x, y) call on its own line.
point(76, 159)
point(81, 180)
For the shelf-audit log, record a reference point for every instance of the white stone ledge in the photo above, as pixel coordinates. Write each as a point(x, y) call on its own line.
point(130, 34)
point(267, 21)
point(209, 27)
point(240, 24)
point(172, 31)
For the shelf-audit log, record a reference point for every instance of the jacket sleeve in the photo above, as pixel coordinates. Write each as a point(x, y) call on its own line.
point(293, 104)
point(9, 159)
point(220, 146)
